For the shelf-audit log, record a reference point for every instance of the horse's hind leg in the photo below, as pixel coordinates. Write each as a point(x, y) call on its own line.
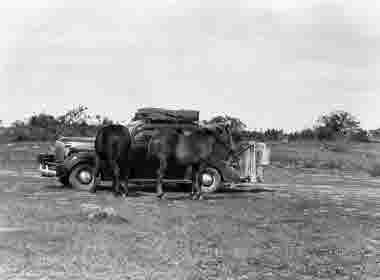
point(115, 177)
point(160, 175)
point(126, 178)
point(95, 172)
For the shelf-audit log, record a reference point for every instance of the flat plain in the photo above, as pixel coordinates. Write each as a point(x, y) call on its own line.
point(315, 224)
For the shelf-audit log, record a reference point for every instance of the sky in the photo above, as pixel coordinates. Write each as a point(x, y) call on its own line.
point(273, 64)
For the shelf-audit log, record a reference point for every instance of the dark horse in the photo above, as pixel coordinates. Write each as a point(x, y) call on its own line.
point(195, 149)
point(112, 146)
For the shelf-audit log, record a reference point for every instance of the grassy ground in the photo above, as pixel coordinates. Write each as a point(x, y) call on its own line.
point(357, 157)
point(316, 225)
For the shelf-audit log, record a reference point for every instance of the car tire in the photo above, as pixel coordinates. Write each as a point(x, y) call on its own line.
point(81, 177)
point(214, 180)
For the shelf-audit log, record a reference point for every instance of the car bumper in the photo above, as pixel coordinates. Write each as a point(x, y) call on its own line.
point(45, 171)
point(47, 165)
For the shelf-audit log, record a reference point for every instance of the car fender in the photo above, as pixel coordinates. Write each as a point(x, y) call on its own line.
point(228, 173)
point(82, 157)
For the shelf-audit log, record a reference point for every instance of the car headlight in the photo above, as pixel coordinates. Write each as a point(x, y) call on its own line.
point(207, 179)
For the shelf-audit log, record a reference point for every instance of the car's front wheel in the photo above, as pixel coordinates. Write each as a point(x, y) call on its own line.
point(81, 177)
point(210, 180)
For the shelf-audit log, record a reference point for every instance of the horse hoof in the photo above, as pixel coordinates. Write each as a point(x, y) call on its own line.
point(92, 191)
point(160, 195)
point(200, 197)
point(125, 195)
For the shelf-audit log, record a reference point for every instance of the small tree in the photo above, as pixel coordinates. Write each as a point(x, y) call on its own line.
point(77, 115)
point(73, 121)
point(336, 124)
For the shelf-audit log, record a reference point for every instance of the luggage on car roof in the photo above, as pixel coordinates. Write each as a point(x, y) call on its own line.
point(164, 115)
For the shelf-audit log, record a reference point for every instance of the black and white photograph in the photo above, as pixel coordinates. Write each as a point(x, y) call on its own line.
point(190, 140)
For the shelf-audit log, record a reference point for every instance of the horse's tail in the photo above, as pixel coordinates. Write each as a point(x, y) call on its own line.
point(98, 145)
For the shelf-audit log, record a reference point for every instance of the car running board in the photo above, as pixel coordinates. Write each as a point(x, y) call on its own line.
point(165, 181)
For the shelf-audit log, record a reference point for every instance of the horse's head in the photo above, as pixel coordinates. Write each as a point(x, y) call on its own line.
point(223, 133)
point(229, 135)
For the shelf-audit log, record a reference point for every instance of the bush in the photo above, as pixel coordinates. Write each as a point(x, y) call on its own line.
point(273, 134)
point(338, 122)
point(324, 133)
point(360, 135)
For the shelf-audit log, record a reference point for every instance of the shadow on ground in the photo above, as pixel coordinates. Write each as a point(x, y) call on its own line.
point(139, 191)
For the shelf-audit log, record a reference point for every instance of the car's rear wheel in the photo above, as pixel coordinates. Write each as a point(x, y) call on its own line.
point(81, 177)
point(210, 180)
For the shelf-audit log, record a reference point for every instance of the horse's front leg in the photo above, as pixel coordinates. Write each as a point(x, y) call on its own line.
point(193, 180)
point(95, 172)
point(196, 187)
point(126, 178)
point(160, 175)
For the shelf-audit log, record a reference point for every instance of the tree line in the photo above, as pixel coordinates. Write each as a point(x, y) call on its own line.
point(46, 127)
point(336, 125)
point(78, 122)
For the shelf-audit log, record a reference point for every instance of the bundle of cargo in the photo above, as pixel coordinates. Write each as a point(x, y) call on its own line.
point(165, 115)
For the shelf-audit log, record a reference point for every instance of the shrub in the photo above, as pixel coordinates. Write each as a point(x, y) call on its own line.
point(324, 133)
point(338, 122)
point(360, 135)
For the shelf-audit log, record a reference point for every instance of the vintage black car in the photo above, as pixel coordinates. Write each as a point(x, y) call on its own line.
point(73, 159)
